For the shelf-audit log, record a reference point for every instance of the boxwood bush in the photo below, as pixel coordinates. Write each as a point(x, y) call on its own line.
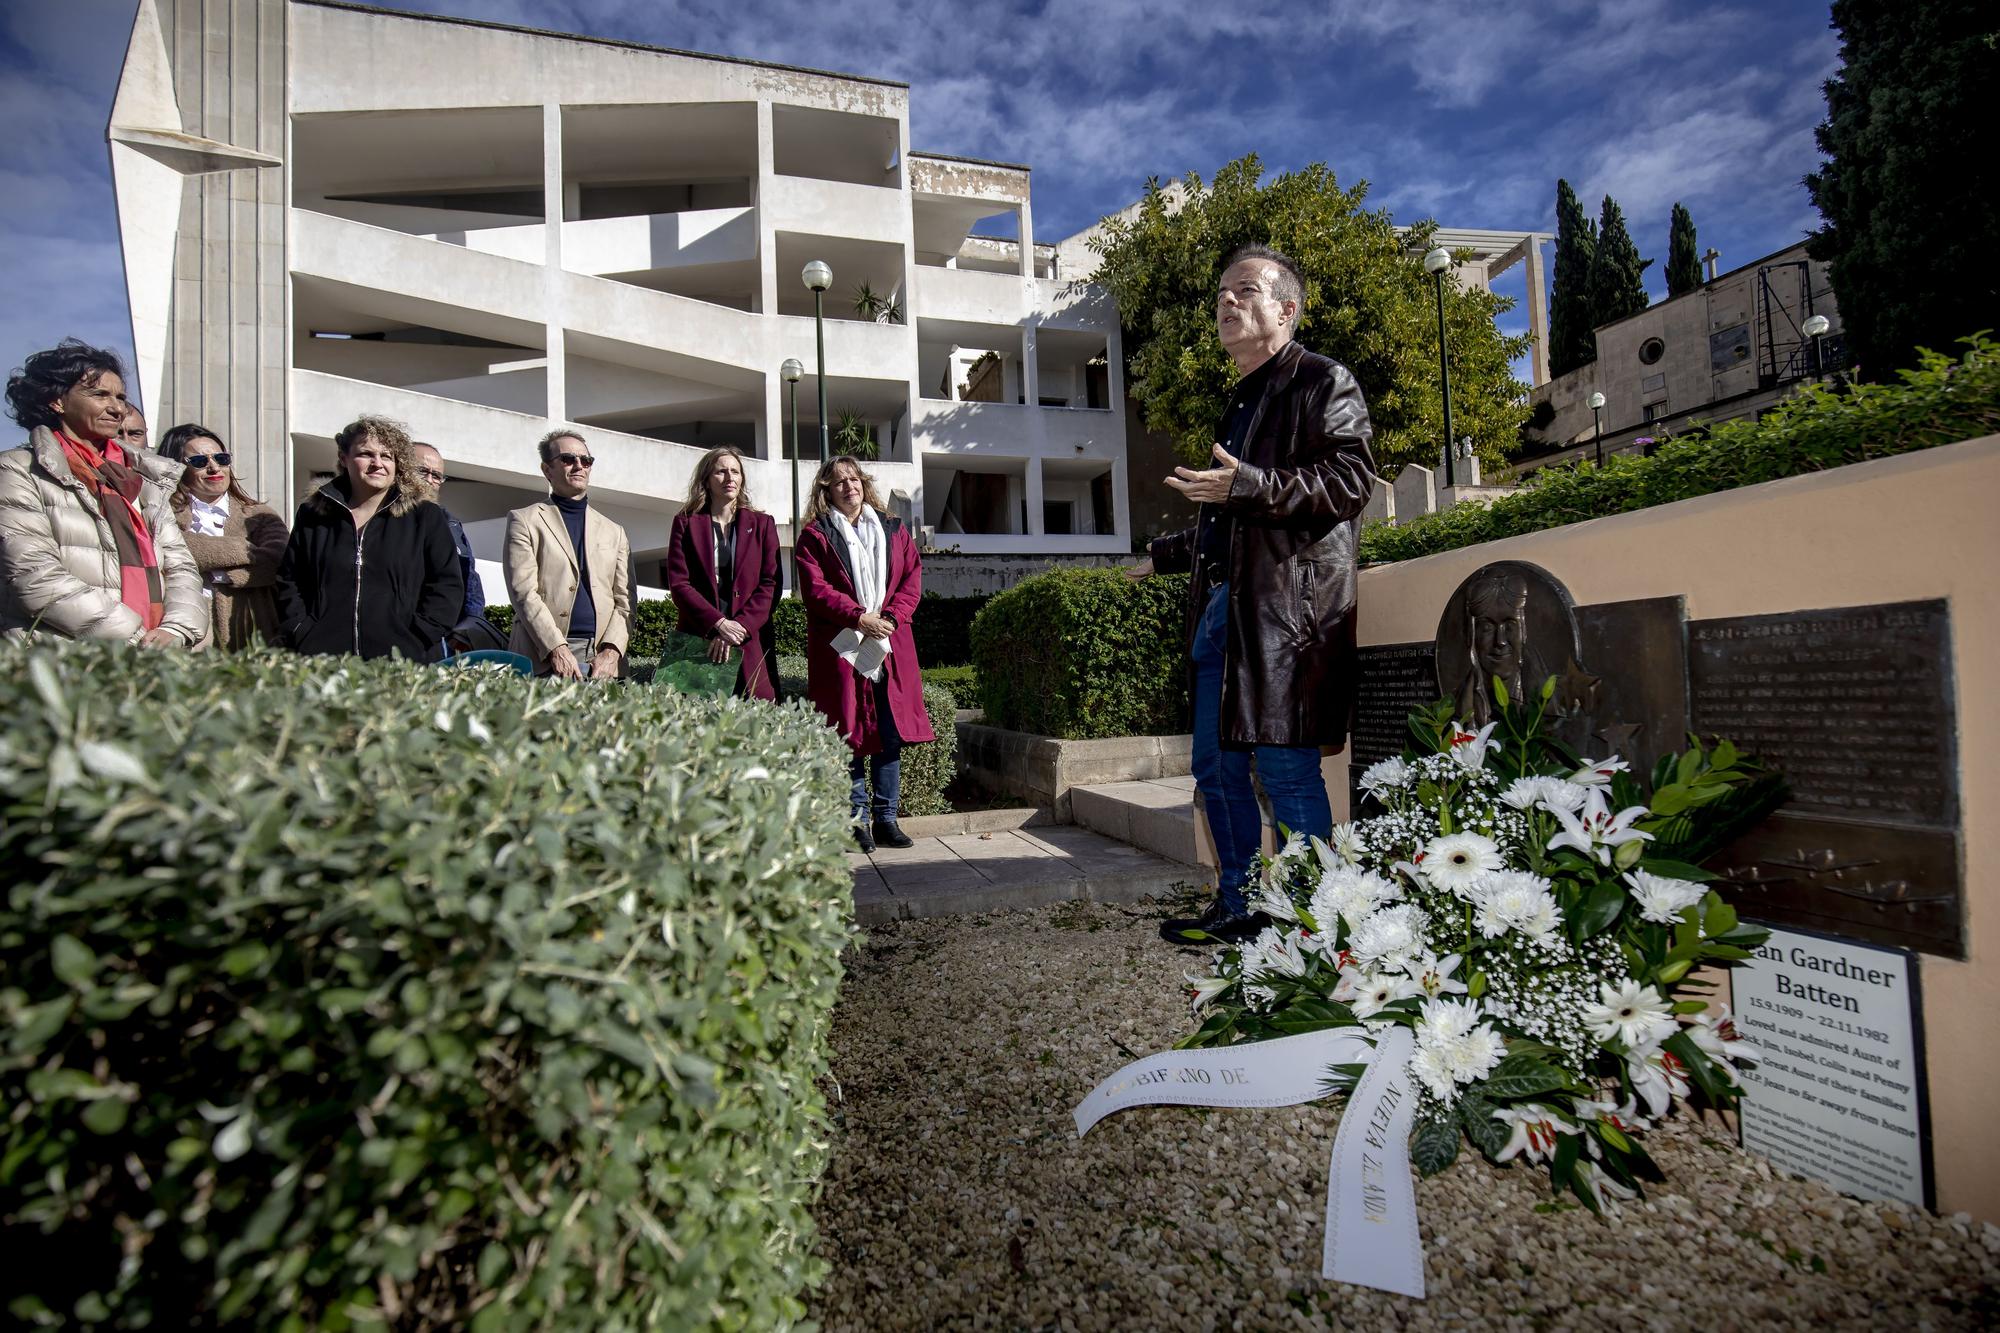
point(1940, 402)
point(1083, 653)
point(928, 767)
point(342, 995)
point(962, 681)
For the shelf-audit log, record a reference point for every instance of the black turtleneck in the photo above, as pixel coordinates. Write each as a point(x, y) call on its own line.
point(583, 611)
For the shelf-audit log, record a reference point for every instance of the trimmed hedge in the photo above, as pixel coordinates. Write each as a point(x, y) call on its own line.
point(941, 627)
point(961, 681)
point(928, 767)
point(1940, 402)
point(1085, 653)
point(345, 995)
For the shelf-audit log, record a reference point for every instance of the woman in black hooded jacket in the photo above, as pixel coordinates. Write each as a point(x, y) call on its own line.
point(371, 568)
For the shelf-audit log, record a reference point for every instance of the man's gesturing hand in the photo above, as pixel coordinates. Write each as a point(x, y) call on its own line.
point(1210, 486)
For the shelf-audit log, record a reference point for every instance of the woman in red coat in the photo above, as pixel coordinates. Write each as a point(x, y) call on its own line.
point(860, 579)
point(722, 571)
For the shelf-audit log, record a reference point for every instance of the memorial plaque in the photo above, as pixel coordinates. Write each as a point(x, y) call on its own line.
point(1855, 707)
point(1638, 706)
point(1840, 1095)
point(1394, 679)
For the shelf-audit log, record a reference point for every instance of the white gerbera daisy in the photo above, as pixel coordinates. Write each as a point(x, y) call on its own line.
point(1635, 1014)
point(1456, 862)
point(1374, 991)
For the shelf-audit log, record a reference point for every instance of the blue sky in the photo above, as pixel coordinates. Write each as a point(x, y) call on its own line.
point(1466, 112)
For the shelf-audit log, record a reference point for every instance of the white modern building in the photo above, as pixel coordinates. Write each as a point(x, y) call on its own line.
point(329, 210)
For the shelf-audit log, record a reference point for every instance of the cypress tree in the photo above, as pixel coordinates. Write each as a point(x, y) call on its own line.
point(1617, 274)
point(1572, 335)
point(1907, 193)
point(1683, 259)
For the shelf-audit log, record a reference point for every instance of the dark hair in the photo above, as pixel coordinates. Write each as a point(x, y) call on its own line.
point(547, 444)
point(47, 376)
point(174, 446)
point(1291, 284)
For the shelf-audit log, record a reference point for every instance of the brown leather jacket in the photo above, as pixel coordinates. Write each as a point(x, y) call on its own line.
point(1306, 471)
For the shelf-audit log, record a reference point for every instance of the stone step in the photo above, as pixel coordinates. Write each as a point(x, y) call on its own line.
point(1008, 868)
point(1157, 816)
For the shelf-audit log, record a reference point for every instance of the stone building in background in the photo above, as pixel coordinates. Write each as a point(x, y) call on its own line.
point(328, 210)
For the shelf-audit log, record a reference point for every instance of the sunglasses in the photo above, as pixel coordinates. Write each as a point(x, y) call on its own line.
point(203, 460)
point(574, 460)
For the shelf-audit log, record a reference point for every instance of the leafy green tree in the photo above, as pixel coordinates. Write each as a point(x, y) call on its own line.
point(1908, 195)
point(1683, 258)
point(1368, 304)
point(1572, 336)
point(1617, 274)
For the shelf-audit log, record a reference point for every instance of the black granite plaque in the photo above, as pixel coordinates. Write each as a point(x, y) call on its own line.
point(1394, 679)
point(1855, 706)
point(1638, 704)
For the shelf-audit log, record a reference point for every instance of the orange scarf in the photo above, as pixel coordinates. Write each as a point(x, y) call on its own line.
point(108, 475)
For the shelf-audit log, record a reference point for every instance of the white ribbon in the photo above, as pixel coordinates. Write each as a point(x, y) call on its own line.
point(1371, 1205)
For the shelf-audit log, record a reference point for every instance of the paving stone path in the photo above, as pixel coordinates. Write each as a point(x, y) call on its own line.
point(1006, 868)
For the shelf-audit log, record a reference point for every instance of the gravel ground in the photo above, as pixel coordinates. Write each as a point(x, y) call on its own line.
point(960, 1197)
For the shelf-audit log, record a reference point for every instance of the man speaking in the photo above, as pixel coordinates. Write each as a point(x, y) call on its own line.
point(1271, 601)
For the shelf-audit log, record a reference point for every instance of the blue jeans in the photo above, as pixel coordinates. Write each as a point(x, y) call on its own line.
point(887, 763)
point(1290, 773)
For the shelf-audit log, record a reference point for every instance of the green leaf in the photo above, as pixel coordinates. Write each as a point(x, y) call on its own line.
point(1601, 904)
point(1668, 869)
point(113, 763)
point(1487, 1134)
point(107, 1116)
point(72, 960)
point(1562, 1170)
point(494, 1262)
point(1434, 1146)
point(1711, 1078)
point(1521, 1075)
point(244, 959)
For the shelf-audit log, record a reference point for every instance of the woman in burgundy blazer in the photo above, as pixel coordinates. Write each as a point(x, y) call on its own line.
point(876, 718)
point(722, 571)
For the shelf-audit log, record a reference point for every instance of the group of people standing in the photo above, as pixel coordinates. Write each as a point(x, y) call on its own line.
point(102, 537)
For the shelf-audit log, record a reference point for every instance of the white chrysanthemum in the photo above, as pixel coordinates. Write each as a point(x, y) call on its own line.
point(1635, 1014)
point(1662, 899)
point(1390, 936)
point(1473, 1056)
point(1427, 1065)
point(1445, 1021)
point(1522, 793)
point(1348, 894)
point(1455, 862)
point(1514, 900)
point(1385, 775)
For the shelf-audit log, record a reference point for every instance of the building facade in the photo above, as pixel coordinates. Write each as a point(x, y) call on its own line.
point(1730, 348)
point(329, 210)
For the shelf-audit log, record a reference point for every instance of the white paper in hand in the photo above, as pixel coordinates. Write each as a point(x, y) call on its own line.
point(859, 651)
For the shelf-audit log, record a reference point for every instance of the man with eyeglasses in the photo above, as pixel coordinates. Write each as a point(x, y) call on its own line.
point(569, 572)
point(430, 480)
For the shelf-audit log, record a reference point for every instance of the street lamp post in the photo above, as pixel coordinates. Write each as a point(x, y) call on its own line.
point(1437, 263)
point(819, 277)
point(791, 371)
point(1815, 328)
point(1596, 402)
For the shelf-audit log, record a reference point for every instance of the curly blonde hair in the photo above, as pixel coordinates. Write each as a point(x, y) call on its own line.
point(697, 498)
point(821, 503)
point(392, 435)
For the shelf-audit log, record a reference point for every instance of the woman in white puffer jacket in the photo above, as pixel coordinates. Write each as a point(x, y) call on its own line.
point(89, 545)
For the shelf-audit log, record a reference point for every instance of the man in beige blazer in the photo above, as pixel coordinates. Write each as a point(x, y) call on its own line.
point(569, 572)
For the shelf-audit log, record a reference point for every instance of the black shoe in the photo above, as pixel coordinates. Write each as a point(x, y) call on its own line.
point(888, 835)
point(861, 838)
point(1215, 926)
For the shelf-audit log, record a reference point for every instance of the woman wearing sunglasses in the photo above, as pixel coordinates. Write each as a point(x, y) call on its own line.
point(236, 541)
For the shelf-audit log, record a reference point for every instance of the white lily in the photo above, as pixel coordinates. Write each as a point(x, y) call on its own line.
point(1433, 974)
point(1202, 990)
point(1609, 1191)
point(1635, 1014)
point(1661, 899)
point(1274, 902)
point(1277, 951)
point(1347, 843)
point(1597, 772)
point(1595, 831)
point(1715, 1035)
point(1657, 1076)
point(1470, 748)
point(1534, 1131)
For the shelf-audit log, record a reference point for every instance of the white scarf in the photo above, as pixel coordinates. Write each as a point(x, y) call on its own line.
point(868, 557)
